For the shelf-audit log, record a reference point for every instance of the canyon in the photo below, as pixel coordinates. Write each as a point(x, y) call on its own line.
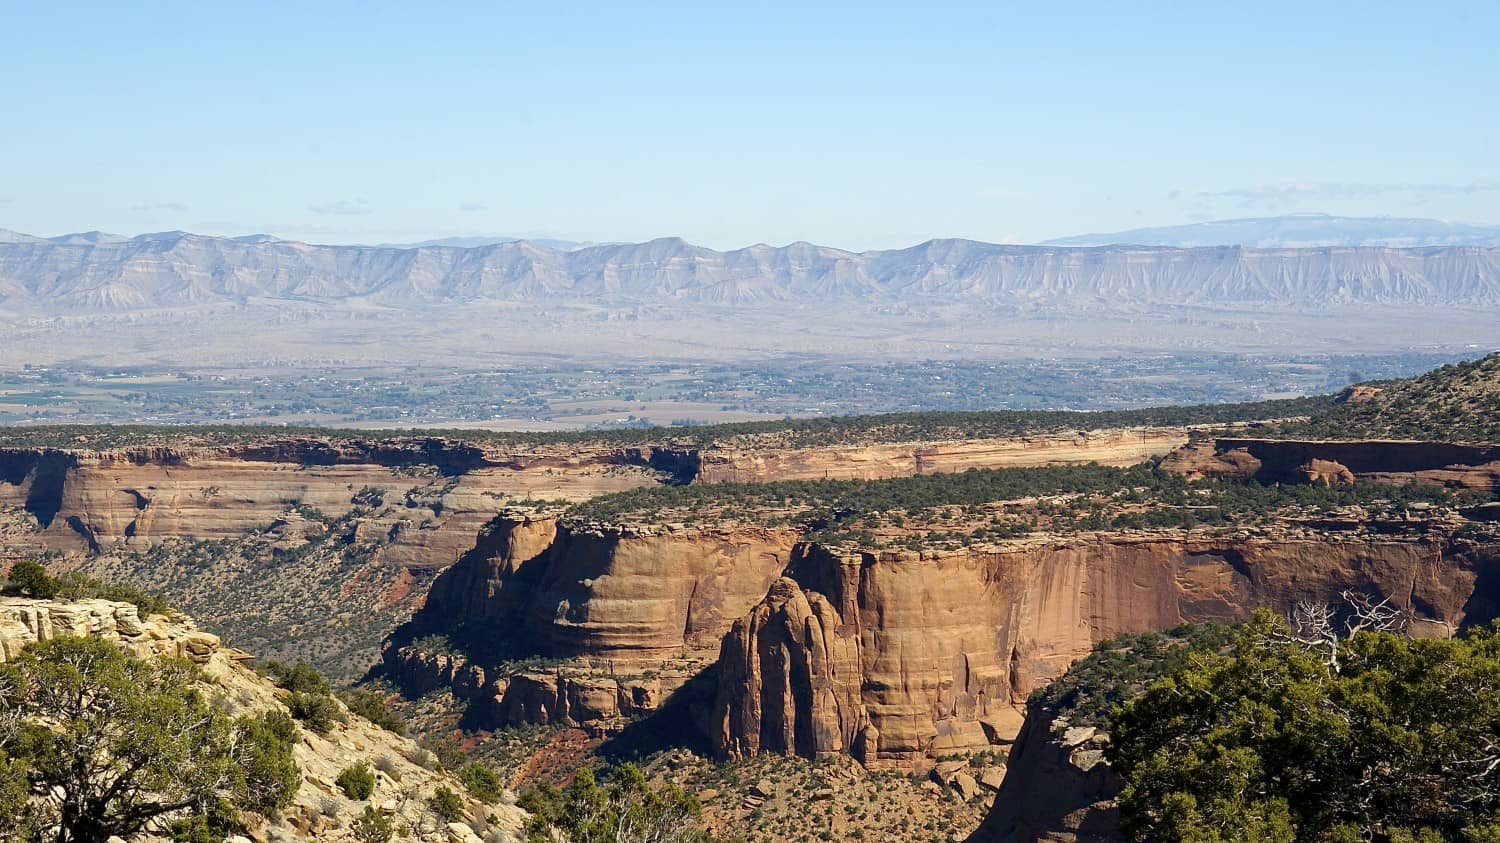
point(240, 531)
point(86, 499)
point(495, 572)
point(897, 657)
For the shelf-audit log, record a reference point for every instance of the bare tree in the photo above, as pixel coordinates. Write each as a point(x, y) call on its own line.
point(1314, 625)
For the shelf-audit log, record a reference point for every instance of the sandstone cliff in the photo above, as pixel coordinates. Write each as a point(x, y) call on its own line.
point(84, 500)
point(626, 616)
point(875, 462)
point(320, 811)
point(899, 657)
point(1301, 461)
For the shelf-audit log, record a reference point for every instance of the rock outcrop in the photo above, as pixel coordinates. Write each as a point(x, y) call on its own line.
point(25, 621)
point(875, 462)
point(1058, 788)
point(438, 493)
point(320, 811)
point(606, 592)
point(625, 615)
point(1300, 461)
point(900, 657)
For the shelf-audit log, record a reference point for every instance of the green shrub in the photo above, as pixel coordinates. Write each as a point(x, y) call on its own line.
point(317, 712)
point(75, 585)
point(449, 806)
point(357, 781)
point(1273, 739)
point(483, 783)
point(370, 704)
point(146, 750)
point(300, 678)
point(587, 811)
point(373, 827)
point(31, 579)
point(219, 821)
point(264, 754)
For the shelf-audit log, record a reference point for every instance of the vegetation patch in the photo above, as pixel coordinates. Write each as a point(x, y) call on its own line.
point(1459, 402)
point(979, 505)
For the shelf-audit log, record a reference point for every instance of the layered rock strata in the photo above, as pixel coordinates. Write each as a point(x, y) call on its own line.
point(899, 657)
point(875, 462)
point(437, 493)
point(1302, 461)
point(626, 615)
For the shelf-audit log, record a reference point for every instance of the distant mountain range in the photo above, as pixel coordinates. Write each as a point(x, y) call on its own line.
point(1300, 231)
point(87, 273)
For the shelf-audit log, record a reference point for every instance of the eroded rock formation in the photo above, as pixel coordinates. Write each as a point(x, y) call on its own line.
point(900, 657)
point(626, 615)
point(1300, 461)
point(439, 493)
point(1058, 788)
point(874, 462)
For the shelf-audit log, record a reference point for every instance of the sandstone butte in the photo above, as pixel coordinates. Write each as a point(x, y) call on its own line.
point(320, 810)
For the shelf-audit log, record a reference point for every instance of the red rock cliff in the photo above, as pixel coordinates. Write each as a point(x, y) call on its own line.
point(898, 657)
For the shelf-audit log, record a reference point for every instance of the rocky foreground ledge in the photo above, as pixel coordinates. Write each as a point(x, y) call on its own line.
point(320, 810)
point(24, 621)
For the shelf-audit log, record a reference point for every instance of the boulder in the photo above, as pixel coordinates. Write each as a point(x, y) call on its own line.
point(966, 786)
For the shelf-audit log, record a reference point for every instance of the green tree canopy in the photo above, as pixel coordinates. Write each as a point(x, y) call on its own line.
point(110, 745)
point(625, 809)
point(32, 579)
point(1395, 739)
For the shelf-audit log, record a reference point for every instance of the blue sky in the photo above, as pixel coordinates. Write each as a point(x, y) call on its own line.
point(859, 125)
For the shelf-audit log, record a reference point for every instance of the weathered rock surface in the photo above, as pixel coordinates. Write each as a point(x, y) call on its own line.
point(320, 811)
point(1301, 461)
point(635, 612)
point(607, 592)
point(24, 621)
point(1055, 790)
point(439, 492)
point(872, 462)
point(897, 657)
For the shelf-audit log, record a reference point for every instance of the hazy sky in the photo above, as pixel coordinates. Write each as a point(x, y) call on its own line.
point(857, 125)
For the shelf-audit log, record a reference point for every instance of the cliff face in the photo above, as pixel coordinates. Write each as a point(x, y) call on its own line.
point(873, 462)
point(365, 526)
point(443, 491)
point(609, 593)
point(1294, 461)
point(900, 658)
point(626, 616)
